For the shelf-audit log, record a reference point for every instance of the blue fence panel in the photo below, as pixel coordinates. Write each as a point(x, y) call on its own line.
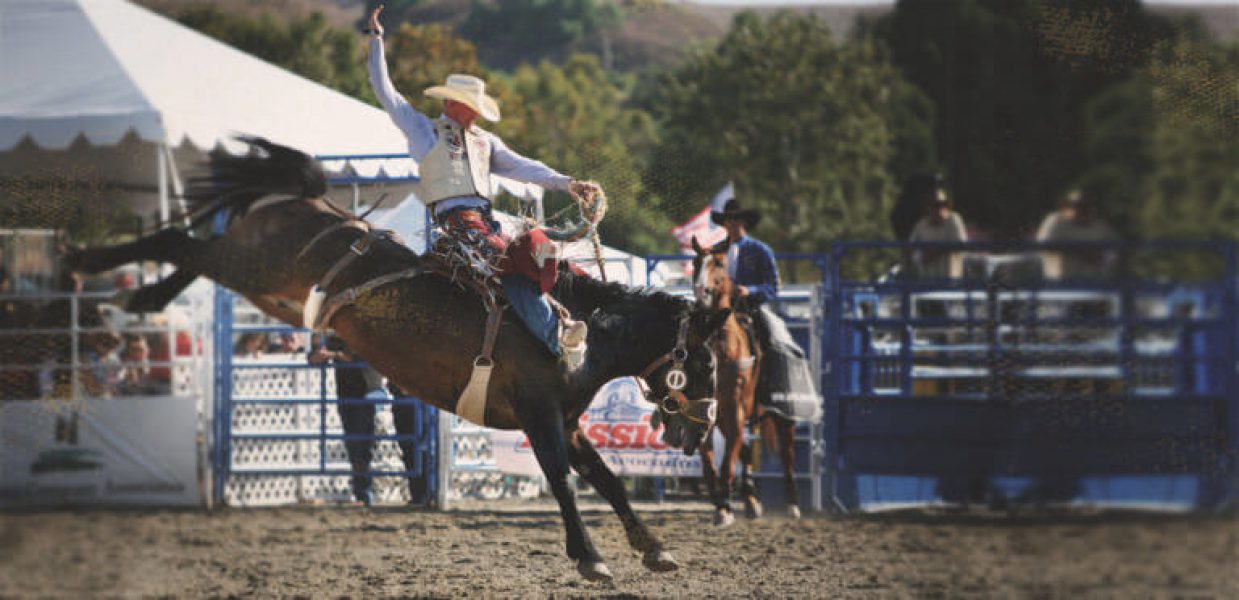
point(285, 408)
point(991, 387)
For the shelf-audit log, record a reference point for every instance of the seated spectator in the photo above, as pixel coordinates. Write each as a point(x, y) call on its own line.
point(1076, 221)
point(100, 366)
point(287, 343)
point(135, 373)
point(940, 224)
point(160, 352)
point(250, 345)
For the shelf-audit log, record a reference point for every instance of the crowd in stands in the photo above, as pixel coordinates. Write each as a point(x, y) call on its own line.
point(38, 353)
point(925, 214)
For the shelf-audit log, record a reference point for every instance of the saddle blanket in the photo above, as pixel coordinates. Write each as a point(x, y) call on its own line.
point(786, 387)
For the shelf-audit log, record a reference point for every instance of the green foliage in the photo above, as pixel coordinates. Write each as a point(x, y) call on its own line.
point(514, 31)
point(1194, 185)
point(422, 56)
point(573, 119)
point(1011, 80)
point(309, 47)
point(804, 126)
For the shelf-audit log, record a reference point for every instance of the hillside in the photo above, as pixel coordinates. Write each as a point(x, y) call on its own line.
point(655, 34)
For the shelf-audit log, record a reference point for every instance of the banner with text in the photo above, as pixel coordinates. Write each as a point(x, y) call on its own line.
point(112, 451)
point(618, 425)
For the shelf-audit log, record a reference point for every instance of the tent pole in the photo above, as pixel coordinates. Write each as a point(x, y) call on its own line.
point(165, 209)
point(178, 187)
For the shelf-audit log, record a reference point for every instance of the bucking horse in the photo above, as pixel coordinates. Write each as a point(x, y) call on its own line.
point(422, 328)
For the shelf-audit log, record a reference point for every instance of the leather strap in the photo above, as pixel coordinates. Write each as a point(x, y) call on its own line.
point(494, 317)
point(350, 295)
point(354, 223)
point(360, 247)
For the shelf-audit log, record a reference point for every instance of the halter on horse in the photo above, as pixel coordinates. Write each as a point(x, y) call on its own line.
point(422, 329)
point(739, 364)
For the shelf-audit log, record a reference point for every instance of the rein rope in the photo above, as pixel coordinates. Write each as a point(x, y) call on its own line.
point(591, 210)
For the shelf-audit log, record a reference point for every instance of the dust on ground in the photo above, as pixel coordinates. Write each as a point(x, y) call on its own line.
point(517, 551)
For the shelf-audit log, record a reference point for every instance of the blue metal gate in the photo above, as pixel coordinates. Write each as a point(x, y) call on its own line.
point(996, 386)
point(277, 432)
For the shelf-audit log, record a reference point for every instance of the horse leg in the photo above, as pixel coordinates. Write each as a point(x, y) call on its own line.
point(547, 436)
point(710, 474)
point(748, 491)
point(586, 461)
point(786, 429)
point(165, 245)
point(733, 436)
point(156, 296)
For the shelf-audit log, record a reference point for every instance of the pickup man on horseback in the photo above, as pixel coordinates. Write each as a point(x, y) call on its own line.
point(456, 160)
point(782, 385)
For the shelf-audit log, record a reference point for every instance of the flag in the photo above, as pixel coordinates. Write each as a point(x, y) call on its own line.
point(700, 224)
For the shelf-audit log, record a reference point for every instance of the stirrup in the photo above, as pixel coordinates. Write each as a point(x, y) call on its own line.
point(572, 344)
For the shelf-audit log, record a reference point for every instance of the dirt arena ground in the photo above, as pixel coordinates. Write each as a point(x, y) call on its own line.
point(337, 551)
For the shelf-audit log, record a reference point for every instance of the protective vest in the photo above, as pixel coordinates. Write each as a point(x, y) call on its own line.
point(457, 165)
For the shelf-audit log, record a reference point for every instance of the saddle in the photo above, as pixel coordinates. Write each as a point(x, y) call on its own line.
point(458, 260)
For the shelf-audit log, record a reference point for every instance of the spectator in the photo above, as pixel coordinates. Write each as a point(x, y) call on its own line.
point(357, 389)
point(250, 345)
point(910, 204)
point(135, 374)
point(287, 343)
point(404, 415)
point(1075, 221)
point(940, 224)
point(101, 368)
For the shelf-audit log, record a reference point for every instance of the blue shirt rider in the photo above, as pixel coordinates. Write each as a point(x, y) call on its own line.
point(750, 262)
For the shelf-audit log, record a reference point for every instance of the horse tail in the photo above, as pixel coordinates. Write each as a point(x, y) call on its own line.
point(236, 182)
point(769, 435)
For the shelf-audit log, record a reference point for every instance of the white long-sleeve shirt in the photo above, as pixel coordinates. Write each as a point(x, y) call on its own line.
point(419, 130)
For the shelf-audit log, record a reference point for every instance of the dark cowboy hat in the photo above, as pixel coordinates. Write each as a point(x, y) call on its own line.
point(733, 210)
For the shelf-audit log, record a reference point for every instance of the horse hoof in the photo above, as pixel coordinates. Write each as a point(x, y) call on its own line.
point(793, 511)
point(723, 518)
point(660, 561)
point(752, 508)
point(594, 570)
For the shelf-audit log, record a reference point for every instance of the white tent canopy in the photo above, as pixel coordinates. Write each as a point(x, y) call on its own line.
point(107, 91)
point(101, 68)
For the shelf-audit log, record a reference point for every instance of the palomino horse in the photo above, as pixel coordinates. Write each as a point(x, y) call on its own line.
point(739, 363)
point(423, 330)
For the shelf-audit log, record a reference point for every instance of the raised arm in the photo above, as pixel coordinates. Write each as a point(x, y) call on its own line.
point(417, 127)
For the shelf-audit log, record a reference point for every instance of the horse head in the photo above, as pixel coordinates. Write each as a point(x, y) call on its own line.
point(712, 286)
point(682, 384)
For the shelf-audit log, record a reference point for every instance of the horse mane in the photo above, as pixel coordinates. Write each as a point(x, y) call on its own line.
point(236, 182)
point(588, 294)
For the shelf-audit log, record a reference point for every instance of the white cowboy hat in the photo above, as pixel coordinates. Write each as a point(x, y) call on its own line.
point(467, 90)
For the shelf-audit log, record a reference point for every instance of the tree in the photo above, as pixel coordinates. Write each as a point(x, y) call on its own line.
point(1010, 80)
point(309, 47)
point(1194, 184)
point(574, 120)
point(804, 126)
point(515, 31)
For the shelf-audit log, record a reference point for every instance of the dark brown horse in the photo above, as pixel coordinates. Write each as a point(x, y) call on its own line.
point(739, 364)
point(423, 331)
